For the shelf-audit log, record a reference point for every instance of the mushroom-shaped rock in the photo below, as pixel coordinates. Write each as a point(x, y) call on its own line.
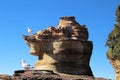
point(64, 49)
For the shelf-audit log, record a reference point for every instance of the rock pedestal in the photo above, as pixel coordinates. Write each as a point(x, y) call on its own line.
point(64, 49)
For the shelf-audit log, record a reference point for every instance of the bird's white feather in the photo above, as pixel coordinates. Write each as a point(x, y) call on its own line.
point(29, 30)
point(25, 65)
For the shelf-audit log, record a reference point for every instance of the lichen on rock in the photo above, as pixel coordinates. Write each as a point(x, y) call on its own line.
point(113, 42)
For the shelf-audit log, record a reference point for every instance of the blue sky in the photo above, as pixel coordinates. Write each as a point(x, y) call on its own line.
point(17, 15)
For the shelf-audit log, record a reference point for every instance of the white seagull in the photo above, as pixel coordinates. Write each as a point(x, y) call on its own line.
point(29, 31)
point(25, 65)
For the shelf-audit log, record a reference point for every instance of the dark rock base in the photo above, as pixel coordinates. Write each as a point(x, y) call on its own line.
point(45, 75)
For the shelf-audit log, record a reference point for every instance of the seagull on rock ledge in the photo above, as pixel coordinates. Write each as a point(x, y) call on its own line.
point(25, 65)
point(29, 31)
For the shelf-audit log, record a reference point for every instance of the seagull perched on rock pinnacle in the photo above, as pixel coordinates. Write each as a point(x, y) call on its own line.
point(29, 31)
point(25, 65)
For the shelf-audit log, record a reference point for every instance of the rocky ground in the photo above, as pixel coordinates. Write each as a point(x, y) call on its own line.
point(44, 75)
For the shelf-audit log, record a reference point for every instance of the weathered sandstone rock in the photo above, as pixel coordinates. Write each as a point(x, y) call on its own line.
point(113, 42)
point(40, 75)
point(64, 49)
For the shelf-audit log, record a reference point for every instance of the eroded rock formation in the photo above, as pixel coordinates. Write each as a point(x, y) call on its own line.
point(65, 49)
point(37, 75)
point(113, 42)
